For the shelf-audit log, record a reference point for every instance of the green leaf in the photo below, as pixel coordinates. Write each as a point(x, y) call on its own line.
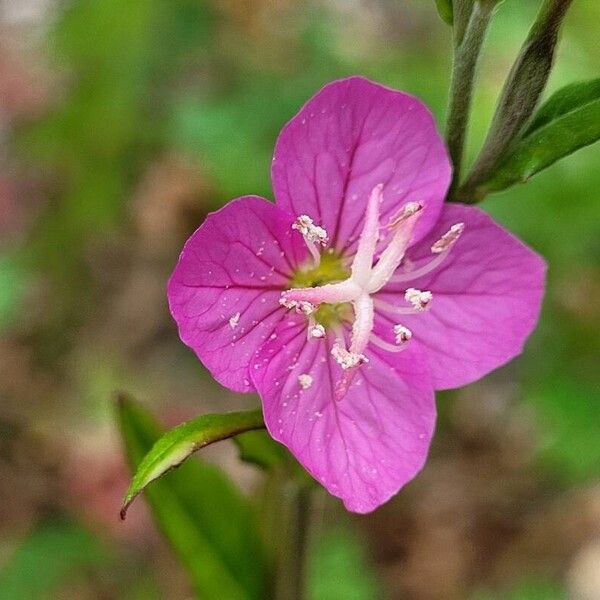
point(519, 97)
point(259, 448)
point(179, 443)
point(205, 518)
point(551, 142)
point(338, 569)
point(47, 560)
point(445, 10)
point(565, 100)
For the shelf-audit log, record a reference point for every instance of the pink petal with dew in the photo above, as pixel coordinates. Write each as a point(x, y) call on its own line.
point(351, 136)
point(224, 292)
point(487, 296)
point(364, 447)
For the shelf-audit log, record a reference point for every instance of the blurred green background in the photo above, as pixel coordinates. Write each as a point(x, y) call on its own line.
point(122, 124)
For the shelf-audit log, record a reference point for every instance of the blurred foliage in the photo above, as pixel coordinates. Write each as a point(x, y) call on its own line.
point(117, 62)
point(233, 129)
point(51, 557)
point(338, 569)
point(528, 590)
point(12, 284)
point(569, 446)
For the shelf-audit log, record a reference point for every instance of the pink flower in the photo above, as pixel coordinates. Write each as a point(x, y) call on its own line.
point(355, 296)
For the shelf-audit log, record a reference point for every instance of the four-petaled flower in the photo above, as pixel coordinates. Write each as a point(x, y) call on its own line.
point(358, 293)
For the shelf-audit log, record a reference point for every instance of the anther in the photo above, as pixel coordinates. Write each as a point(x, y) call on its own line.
point(403, 334)
point(419, 300)
point(287, 303)
point(313, 233)
point(305, 380)
point(345, 358)
point(316, 331)
point(301, 306)
point(306, 308)
point(408, 210)
point(448, 239)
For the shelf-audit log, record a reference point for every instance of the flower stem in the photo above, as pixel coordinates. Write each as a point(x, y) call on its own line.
point(467, 46)
point(292, 541)
point(520, 95)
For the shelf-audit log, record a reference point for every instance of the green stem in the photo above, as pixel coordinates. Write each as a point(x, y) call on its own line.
point(466, 53)
point(290, 580)
point(520, 95)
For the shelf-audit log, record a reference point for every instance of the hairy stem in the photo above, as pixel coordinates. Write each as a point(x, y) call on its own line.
point(468, 41)
point(520, 94)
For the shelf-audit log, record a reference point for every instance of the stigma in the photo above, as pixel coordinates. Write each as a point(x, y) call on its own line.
point(375, 263)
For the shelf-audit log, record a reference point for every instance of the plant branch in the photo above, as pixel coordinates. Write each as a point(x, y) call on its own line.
point(520, 94)
point(468, 41)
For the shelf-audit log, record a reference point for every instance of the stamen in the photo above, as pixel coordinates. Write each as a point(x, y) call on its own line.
point(234, 320)
point(442, 248)
point(301, 306)
point(305, 308)
point(377, 341)
point(313, 233)
point(392, 256)
point(314, 252)
point(408, 210)
point(287, 303)
point(345, 358)
point(448, 239)
point(420, 300)
point(305, 380)
point(403, 334)
point(316, 331)
point(416, 273)
point(399, 310)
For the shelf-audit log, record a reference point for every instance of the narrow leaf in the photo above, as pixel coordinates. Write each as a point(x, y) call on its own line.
point(546, 145)
point(445, 10)
point(205, 518)
point(258, 448)
point(567, 99)
point(179, 443)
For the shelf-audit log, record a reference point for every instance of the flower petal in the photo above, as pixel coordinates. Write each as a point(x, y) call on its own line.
point(362, 448)
point(224, 292)
point(486, 298)
point(351, 136)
